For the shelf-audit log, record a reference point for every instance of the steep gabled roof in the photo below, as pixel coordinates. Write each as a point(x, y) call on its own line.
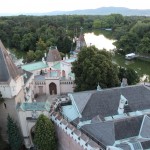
point(81, 99)
point(26, 76)
point(7, 67)
point(126, 128)
point(102, 132)
point(53, 55)
point(105, 103)
point(145, 128)
point(108, 132)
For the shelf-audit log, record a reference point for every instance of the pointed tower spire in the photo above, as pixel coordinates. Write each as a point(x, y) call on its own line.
point(7, 67)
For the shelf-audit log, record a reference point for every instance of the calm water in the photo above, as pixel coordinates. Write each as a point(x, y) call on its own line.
point(100, 41)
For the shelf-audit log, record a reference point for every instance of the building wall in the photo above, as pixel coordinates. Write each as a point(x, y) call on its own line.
point(65, 141)
point(66, 86)
point(9, 107)
point(11, 89)
point(18, 84)
point(5, 90)
point(37, 72)
point(56, 81)
point(67, 68)
point(39, 84)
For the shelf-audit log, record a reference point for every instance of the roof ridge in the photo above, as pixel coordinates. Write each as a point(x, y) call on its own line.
point(10, 69)
point(31, 63)
point(87, 100)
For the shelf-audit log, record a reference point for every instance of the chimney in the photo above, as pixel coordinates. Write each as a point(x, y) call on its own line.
point(45, 55)
point(124, 82)
point(123, 101)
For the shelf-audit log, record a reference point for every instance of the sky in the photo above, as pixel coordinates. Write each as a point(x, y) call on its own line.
point(39, 6)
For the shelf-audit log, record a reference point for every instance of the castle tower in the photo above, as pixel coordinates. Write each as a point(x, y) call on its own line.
point(11, 82)
point(80, 42)
point(53, 55)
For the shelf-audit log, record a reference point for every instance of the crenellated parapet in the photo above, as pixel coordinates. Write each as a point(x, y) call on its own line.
point(75, 134)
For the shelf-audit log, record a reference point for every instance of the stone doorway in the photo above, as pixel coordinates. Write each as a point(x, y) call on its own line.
point(52, 89)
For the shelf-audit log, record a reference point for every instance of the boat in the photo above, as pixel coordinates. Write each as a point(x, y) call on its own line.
point(130, 56)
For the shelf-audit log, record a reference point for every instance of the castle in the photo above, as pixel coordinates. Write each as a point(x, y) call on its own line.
point(20, 87)
point(113, 119)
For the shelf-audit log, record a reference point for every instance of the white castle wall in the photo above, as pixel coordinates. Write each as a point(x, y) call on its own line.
point(66, 86)
point(11, 89)
point(63, 86)
point(66, 67)
point(54, 80)
point(5, 90)
point(19, 83)
point(38, 84)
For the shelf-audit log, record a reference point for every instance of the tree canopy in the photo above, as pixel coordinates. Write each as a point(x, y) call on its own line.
point(45, 138)
point(130, 74)
point(14, 135)
point(24, 33)
point(94, 66)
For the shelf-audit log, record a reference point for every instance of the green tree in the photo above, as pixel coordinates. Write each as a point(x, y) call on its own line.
point(130, 74)
point(30, 56)
point(44, 137)
point(64, 44)
point(27, 42)
point(40, 45)
point(93, 66)
point(97, 23)
point(128, 43)
point(38, 55)
point(14, 135)
point(144, 46)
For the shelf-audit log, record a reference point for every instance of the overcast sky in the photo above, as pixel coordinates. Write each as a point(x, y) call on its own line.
point(30, 6)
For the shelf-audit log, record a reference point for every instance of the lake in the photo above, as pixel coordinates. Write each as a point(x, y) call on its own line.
point(100, 41)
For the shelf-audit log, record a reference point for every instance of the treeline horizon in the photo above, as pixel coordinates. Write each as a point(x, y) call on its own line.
point(23, 34)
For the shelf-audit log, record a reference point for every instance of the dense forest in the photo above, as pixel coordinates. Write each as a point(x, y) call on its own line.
point(33, 35)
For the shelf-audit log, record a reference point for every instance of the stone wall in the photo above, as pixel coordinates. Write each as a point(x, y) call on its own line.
point(69, 137)
point(65, 142)
point(9, 107)
point(66, 86)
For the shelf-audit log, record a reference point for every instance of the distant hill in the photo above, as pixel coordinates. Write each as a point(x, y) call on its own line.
point(99, 11)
